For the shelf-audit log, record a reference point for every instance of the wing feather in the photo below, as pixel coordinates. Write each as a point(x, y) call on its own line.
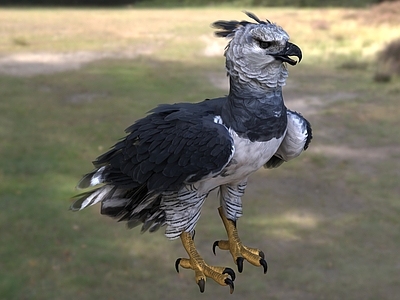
point(173, 145)
point(298, 137)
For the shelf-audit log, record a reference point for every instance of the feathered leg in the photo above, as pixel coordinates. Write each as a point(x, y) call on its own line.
point(239, 251)
point(201, 269)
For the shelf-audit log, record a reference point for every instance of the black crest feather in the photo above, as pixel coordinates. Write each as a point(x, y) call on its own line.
point(229, 27)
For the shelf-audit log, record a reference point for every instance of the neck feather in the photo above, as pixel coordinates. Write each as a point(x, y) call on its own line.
point(270, 76)
point(255, 113)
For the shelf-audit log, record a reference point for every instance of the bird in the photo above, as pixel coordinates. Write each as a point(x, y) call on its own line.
point(161, 172)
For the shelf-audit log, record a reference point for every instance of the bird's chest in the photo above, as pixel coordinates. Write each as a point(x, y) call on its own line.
point(249, 156)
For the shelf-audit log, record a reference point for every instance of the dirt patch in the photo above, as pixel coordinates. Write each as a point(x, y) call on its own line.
point(31, 64)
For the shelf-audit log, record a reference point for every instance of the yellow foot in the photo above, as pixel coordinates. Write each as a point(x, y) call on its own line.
point(239, 251)
point(222, 275)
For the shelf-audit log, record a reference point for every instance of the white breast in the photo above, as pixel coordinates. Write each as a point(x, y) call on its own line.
point(248, 157)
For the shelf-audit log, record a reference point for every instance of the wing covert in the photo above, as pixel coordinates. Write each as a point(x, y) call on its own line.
point(173, 145)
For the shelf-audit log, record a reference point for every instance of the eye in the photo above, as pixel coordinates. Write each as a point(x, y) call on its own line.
point(265, 45)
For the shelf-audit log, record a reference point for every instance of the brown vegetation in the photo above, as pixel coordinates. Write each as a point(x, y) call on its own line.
point(383, 13)
point(388, 62)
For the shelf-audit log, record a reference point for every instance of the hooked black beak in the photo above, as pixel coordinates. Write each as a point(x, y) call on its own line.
point(290, 50)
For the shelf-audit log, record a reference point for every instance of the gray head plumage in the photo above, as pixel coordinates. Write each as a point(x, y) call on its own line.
point(257, 51)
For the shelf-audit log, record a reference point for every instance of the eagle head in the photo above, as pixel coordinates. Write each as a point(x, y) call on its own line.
point(257, 52)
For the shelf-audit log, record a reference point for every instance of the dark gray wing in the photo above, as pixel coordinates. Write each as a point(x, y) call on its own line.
point(298, 137)
point(175, 144)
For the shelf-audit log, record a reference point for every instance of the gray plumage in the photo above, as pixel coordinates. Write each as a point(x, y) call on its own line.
point(162, 171)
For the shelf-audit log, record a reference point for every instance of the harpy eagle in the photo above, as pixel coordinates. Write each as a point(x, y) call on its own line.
point(161, 173)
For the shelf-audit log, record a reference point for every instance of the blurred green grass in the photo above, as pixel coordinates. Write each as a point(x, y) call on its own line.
point(328, 221)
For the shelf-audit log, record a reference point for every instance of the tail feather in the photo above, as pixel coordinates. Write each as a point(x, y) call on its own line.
point(92, 197)
point(152, 221)
point(134, 223)
point(92, 179)
point(112, 207)
point(124, 200)
point(157, 221)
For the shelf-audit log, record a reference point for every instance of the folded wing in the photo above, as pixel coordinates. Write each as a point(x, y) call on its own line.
point(173, 146)
point(298, 137)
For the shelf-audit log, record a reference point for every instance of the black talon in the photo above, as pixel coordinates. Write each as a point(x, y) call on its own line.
point(264, 264)
point(239, 262)
point(177, 264)
point(215, 245)
point(202, 285)
point(230, 272)
point(231, 285)
point(261, 254)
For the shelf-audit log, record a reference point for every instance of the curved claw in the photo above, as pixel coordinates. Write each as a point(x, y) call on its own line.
point(264, 264)
point(231, 285)
point(261, 254)
point(230, 272)
point(202, 285)
point(177, 264)
point(239, 262)
point(215, 245)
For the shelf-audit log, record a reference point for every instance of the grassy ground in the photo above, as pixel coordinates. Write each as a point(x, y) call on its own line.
point(328, 221)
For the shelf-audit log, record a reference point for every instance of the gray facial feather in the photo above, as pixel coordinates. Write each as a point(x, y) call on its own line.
point(246, 60)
